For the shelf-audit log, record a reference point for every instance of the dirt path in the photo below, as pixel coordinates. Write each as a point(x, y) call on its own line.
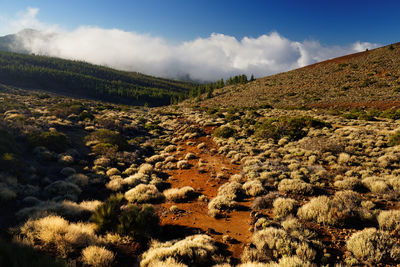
point(205, 180)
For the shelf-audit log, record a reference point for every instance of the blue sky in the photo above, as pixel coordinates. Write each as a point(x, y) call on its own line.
point(329, 21)
point(205, 39)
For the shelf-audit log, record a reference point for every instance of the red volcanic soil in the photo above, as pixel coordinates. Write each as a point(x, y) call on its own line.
point(192, 217)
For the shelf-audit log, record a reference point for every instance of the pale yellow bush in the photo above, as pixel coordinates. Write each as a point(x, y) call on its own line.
point(253, 188)
point(389, 220)
point(143, 193)
point(284, 207)
point(295, 186)
point(198, 250)
point(56, 232)
point(179, 194)
point(372, 246)
point(97, 256)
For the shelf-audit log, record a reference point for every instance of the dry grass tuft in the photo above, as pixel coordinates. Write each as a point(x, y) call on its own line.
point(179, 194)
point(197, 250)
point(97, 256)
point(144, 194)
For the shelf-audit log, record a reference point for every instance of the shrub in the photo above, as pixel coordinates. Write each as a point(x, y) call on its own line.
point(318, 210)
point(393, 114)
point(179, 194)
point(15, 255)
point(220, 203)
point(9, 149)
point(275, 240)
point(196, 250)
point(78, 179)
point(253, 188)
point(291, 262)
point(376, 184)
point(51, 140)
point(66, 209)
point(264, 202)
point(276, 128)
point(109, 137)
point(106, 215)
point(62, 188)
point(6, 194)
point(284, 207)
point(389, 220)
point(351, 183)
point(231, 191)
point(372, 246)
point(131, 219)
point(224, 132)
point(394, 140)
point(294, 186)
point(143, 193)
point(55, 232)
point(97, 256)
point(343, 209)
point(86, 115)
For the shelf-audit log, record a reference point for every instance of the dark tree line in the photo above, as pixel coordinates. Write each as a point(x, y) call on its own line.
point(82, 79)
point(209, 87)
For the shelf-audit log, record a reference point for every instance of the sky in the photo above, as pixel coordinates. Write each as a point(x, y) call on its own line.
point(202, 39)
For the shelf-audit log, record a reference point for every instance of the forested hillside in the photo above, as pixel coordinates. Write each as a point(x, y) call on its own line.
point(80, 79)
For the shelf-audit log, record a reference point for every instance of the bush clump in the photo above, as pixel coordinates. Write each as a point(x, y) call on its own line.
point(293, 128)
point(51, 140)
point(343, 209)
point(394, 140)
point(143, 193)
point(13, 254)
point(110, 138)
point(179, 194)
point(97, 256)
point(196, 250)
point(9, 150)
point(54, 232)
point(371, 246)
point(224, 132)
point(389, 220)
point(113, 216)
point(295, 187)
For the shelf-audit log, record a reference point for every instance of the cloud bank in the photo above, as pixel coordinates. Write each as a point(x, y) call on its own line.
point(203, 59)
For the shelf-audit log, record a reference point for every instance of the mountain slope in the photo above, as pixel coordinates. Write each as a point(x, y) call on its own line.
point(80, 79)
point(360, 78)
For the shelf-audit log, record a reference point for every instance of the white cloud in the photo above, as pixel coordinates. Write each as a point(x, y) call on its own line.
point(202, 59)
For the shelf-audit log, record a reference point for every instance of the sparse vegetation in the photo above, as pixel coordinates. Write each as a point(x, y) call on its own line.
point(77, 175)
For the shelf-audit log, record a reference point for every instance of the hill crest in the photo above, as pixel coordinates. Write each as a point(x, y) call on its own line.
point(362, 78)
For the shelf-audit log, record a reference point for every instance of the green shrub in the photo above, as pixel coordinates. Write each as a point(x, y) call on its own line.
point(9, 149)
point(86, 115)
point(106, 136)
point(52, 140)
point(293, 128)
point(131, 219)
point(393, 114)
point(105, 149)
point(394, 140)
point(360, 114)
point(106, 215)
point(224, 132)
point(16, 255)
point(62, 110)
